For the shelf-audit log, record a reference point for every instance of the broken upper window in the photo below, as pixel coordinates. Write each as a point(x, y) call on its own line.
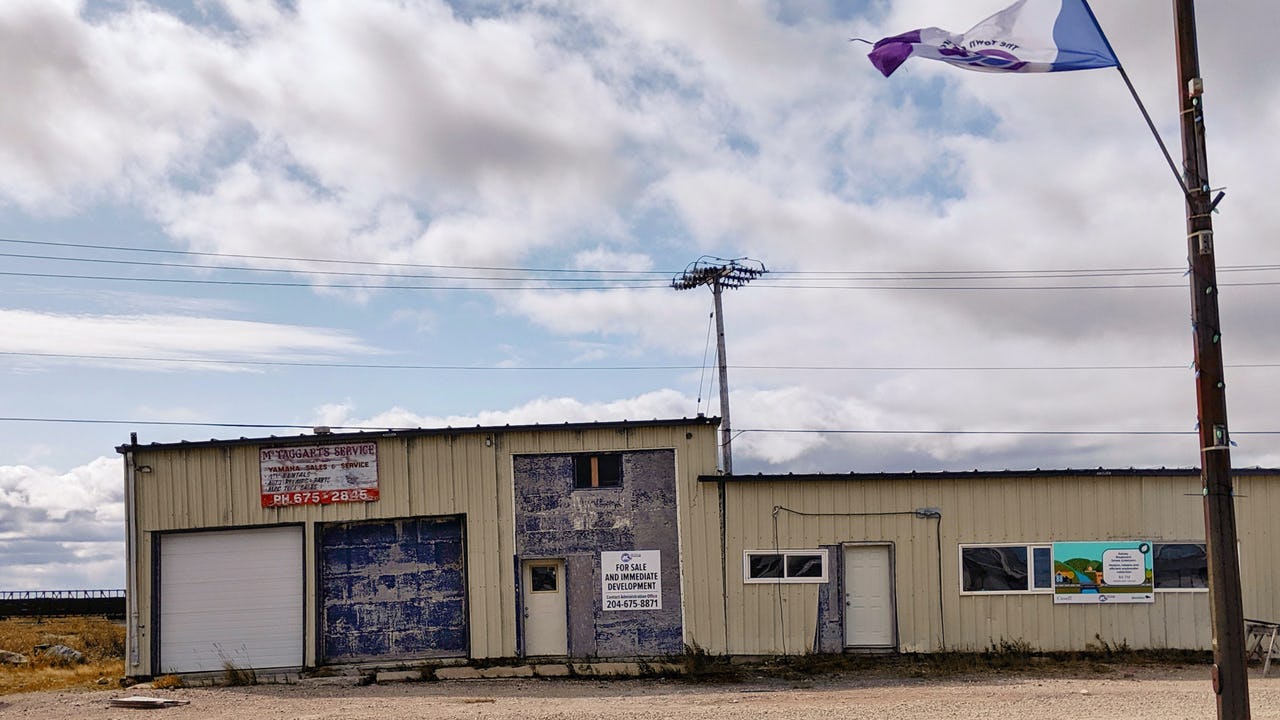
point(597, 471)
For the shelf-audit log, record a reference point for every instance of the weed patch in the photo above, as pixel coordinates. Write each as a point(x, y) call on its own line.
point(697, 664)
point(168, 682)
point(101, 641)
point(235, 676)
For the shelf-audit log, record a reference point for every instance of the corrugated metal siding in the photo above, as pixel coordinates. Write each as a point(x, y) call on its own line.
point(1257, 500)
point(214, 485)
point(765, 618)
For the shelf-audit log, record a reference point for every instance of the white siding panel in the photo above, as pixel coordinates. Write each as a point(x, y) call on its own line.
point(231, 596)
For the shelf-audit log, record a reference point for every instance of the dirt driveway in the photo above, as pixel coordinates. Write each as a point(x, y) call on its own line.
point(1121, 693)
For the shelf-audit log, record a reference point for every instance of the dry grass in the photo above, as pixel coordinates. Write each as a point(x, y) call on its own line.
point(101, 641)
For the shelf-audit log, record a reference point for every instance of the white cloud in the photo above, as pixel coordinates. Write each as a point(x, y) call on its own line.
point(106, 108)
point(62, 530)
point(168, 336)
point(645, 320)
point(660, 404)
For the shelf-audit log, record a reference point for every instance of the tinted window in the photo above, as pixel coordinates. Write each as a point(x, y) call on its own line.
point(1180, 566)
point(994, 569)
point(809, 566)
point(1042, 567)
point(765, 566)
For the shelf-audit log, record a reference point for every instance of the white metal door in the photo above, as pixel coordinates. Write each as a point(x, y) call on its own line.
point(546, 625)
point(868, 597)
point(231, 596)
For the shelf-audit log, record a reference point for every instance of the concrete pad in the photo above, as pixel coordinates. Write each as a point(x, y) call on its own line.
point(616, 669)
point(518, 671)
point(457, 673)
point(551, 671)
point(398, 676)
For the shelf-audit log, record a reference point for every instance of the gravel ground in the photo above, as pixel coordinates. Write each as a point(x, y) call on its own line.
point(1131, 693)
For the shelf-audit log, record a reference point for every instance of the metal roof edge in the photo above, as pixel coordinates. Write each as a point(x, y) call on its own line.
point(330, 437)
point(972, 474)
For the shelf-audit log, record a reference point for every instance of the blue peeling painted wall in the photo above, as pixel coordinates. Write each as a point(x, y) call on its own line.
point(830, 634)
point(554, 520)
point(393, 589)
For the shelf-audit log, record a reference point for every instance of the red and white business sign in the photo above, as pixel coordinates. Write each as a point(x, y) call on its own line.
point(319, 474)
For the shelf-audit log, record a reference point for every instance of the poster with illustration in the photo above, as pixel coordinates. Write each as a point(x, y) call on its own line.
point(1116, 571)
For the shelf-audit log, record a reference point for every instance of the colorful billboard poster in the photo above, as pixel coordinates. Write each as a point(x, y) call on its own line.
point(1115, 571)
point(319, 474)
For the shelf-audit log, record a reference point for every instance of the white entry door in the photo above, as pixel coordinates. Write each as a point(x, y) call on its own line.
point(546, 625)
point(868, 597)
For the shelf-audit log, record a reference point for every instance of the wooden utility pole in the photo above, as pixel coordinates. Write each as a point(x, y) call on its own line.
point(719, 273)
point(722, 364)
point(1230, 671)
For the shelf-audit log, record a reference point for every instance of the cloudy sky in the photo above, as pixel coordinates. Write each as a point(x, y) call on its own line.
point(427, 213)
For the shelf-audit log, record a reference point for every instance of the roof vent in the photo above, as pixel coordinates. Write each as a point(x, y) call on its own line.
point(322, 430)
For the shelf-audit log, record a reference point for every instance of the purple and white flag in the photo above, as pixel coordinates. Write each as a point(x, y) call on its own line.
point(1027, 36)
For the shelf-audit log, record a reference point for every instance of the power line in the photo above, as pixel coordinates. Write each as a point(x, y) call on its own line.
point(819, 431)
point(1008, 274)
point(326, 273)
point(641, 284)
point(343, 365)
point(952, 288)
point(340, 261)
point(626, 368)
point(594, 274)
point(339, 286)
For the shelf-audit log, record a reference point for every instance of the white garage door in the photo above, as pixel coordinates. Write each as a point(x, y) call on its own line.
point(231, 596)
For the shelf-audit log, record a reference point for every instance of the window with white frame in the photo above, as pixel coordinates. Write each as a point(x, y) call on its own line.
point(784, 566)
point(1006, 568)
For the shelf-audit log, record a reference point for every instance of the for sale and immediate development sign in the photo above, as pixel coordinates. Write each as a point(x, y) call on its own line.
point(319, 474)
point(631, 580)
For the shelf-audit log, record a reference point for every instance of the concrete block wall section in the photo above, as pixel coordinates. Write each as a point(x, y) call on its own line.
point(555, 520)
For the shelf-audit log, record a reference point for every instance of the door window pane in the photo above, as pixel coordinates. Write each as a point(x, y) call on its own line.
point(542, 578)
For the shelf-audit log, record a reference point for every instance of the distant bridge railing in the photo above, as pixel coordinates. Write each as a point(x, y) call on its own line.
point(61, 603)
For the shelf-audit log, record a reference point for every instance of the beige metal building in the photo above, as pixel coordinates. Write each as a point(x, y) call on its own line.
point(620, 540)
point(923, 562)
point(391, 546)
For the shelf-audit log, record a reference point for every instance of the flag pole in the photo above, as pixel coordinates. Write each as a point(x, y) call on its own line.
point(1230, 671)
point(1154, 132)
